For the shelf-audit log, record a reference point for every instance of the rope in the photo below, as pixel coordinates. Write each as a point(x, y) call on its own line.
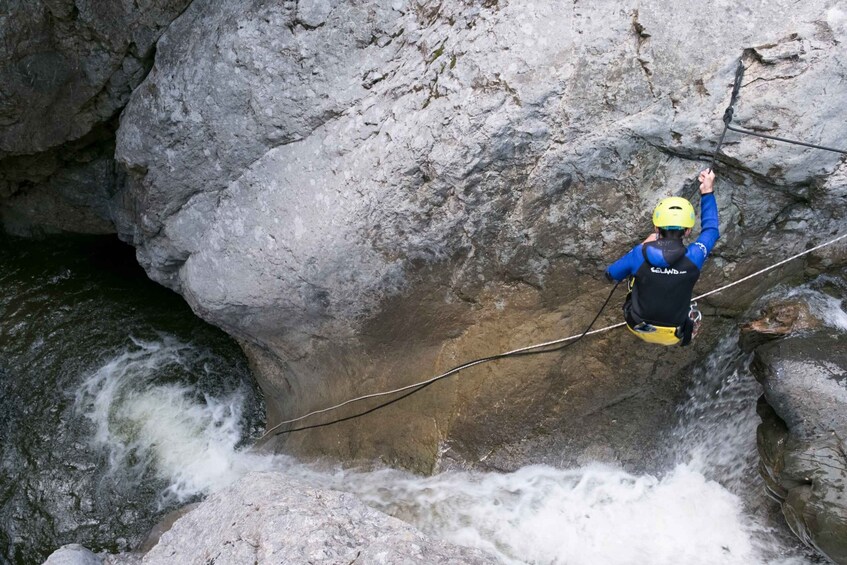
point(727, 119)
point(727, 125)
point(528, 350)
point(418, 386)
point(772, 267)
point(729, 112)
point(792, 141)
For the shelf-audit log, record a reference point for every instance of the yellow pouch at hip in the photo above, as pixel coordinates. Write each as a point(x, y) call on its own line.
point(661, 335)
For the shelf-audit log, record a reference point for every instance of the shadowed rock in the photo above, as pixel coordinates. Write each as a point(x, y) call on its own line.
point(67, 68)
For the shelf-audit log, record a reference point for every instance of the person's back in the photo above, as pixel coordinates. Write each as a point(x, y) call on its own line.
point(663, 269)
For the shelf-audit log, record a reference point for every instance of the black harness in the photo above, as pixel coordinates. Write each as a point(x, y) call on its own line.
point(661, 296)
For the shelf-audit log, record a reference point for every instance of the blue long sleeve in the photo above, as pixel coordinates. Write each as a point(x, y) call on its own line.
point(626, 265)
point(709, 231)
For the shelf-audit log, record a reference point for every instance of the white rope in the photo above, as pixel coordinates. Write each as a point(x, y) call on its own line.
point(540, 345)
point(774, 266)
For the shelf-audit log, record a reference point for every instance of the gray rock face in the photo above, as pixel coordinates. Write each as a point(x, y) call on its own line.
point(67, 67)
point(804, 381)
point(268, 518)
point(801, 438)
point(367, 193)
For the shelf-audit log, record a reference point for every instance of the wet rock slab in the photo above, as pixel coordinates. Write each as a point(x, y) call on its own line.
point(803, 456)
point(269, 518)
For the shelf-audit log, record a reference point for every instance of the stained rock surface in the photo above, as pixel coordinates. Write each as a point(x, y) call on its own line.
point(801, 439)
point(368, 193)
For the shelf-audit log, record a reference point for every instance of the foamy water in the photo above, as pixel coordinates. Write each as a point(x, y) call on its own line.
point(698, 512)
point(692, 514)
point(595, 514)
point(189, 439)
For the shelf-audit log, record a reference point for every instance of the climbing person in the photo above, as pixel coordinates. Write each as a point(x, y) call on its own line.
point(662, 270)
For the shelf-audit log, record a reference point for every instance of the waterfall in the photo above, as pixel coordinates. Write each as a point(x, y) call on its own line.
point(702, 509)
point(138, 407)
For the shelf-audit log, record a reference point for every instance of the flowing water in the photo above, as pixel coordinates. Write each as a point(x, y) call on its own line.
point(78, 318)
point(119, 405)
point(708, 508)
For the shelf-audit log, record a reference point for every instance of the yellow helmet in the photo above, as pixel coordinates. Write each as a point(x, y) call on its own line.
point(674, 212)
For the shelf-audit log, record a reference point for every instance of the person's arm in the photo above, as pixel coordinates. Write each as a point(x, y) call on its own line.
point(709, 223)
point(625, 266)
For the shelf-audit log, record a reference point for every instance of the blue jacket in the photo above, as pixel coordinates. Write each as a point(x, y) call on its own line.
point(697, 251)
point(665, 271)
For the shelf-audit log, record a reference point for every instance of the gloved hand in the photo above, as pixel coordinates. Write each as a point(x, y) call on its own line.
point(707, 181)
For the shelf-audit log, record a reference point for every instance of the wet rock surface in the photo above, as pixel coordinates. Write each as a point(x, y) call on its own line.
point(269, 518)
point(68, 308)
point(801, 437)
point(366, 194)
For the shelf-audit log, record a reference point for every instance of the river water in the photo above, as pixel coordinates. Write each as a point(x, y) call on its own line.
point(119, 405)
point(78, 317)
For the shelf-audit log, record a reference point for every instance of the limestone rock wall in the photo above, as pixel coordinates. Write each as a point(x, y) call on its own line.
point(367, 193)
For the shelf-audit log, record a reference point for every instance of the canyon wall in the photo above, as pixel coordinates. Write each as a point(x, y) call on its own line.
point(368, 193)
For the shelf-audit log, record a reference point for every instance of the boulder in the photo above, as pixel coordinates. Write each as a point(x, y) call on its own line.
point(270, 518)
point(368, 193)
point(73, 554)
point(801, 439)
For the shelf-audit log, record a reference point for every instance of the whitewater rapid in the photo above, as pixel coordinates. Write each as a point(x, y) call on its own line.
point(705, 508)
point(191, 440)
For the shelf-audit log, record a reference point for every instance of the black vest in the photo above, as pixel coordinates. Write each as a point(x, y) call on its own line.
point(662, 295)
